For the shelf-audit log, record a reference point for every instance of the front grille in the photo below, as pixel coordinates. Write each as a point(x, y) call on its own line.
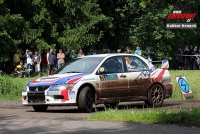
point(36, 99)
point(41, 88)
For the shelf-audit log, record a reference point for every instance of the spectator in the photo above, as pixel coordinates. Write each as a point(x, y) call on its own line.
point(198, 61)
point(37, 61)
point(80, 54)
point(67, 57)
point(28, 62)
point(16, 58)
point(51, 61)
point(199, 50)
point(128, 51)
point(186, 58)
point(44, 63)
point(73, 55)
point(190, 57)
point(194, 59)
point(180, 58)
point(118, 50)
point(138, 51)
point(21, 70)
point(90, 52)
point(149, 53)
point(95, 52)
point(60, 57)
point(108, 51)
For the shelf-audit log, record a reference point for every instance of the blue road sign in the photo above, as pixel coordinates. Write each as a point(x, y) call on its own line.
point(183, 85)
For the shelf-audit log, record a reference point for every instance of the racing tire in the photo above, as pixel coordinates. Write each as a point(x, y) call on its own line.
point(85, 100)
point(40, 108)
point(155, 96)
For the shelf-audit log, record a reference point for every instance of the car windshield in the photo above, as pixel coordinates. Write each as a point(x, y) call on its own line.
point(80, 65)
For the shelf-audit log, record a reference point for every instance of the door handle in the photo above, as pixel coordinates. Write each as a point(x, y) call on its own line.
point(123, 76)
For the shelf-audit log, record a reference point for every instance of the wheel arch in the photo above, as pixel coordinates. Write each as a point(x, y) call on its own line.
point(85, 85)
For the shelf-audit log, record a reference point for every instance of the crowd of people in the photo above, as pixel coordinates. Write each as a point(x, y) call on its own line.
point(33, 63)
point(189, 57)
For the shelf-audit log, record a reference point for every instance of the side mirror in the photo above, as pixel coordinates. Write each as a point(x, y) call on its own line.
point(101, 70)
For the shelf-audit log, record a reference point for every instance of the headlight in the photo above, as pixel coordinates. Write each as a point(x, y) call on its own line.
point(62, 87)
point(25, 89)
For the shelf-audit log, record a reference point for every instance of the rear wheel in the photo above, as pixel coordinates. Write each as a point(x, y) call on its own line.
point(155, 96)
point(85, 100)
point(40, 108)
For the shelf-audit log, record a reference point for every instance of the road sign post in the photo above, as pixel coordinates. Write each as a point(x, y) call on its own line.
point(184, 87)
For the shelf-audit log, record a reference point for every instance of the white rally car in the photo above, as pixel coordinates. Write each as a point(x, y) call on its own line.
point(100, 79)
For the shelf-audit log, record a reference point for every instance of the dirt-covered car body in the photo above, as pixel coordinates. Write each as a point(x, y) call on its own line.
point(100, 79)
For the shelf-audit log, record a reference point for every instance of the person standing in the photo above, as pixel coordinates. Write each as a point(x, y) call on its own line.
point(60, 58)
point(180, 58)
point(128, 51)
point(80, 54)
point(138, 51)
point(186, 57)
point(16, 58)
point(28, 62)
point(51, 61)
point(37, 61)
point(149, 54)
point(73, 55)
point(118, 50)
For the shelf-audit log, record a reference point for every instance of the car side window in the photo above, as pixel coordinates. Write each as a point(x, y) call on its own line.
point(135, 64)
point(113, 65)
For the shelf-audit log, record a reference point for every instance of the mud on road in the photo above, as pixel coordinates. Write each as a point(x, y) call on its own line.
point(15, 118)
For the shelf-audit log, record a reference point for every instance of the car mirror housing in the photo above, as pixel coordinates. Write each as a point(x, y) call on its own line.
point(101, 70)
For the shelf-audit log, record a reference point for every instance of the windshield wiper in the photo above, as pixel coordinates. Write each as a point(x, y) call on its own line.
point(73, 72)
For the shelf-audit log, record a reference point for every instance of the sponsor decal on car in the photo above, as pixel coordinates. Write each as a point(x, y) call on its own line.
point(88, 79)
point(109, 82)
point(72, 94)
point(108, 77)
point(53, 92)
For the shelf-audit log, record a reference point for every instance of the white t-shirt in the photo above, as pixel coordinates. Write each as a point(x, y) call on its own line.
point(29, 60)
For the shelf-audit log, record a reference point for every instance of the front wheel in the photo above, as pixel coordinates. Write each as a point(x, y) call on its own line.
point(155, 96)
point(40, 108)
point(85, 100)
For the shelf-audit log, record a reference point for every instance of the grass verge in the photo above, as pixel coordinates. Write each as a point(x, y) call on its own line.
point(181, 116)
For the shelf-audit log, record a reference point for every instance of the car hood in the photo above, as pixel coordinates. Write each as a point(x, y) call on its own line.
point(71, 78)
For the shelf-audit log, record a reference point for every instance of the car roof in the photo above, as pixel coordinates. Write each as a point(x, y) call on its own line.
point(112, 54)
point(119, 54)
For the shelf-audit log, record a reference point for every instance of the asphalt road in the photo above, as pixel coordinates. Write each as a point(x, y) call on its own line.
point(17, 119)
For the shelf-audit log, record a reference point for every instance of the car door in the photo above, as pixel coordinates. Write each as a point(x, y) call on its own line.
point(137, 73)
point(113, 81)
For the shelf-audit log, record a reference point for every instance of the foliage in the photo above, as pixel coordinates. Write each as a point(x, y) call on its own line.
point(72, 24)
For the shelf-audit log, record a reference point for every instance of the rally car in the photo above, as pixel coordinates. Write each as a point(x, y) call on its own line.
point(100, 79)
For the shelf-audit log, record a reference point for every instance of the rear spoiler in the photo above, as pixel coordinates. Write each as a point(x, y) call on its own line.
point(165, 63)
